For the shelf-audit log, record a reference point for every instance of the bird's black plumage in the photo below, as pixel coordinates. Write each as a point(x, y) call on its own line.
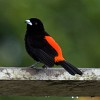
point(41, 50)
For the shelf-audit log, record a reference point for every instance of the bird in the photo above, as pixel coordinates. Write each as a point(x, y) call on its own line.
point(43, 48)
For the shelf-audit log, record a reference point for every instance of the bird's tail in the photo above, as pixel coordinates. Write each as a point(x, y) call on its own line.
point(70, 68)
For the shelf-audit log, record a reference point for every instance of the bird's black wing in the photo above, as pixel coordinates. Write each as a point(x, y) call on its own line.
point(43, 57)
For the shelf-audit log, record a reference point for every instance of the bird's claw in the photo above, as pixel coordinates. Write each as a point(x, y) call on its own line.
point(44, 67)
point(32, 66)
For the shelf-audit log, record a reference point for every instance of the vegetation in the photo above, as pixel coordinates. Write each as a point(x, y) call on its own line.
point(73, 23)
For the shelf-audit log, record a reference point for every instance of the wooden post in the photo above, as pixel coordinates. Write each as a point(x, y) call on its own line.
point(48, 82)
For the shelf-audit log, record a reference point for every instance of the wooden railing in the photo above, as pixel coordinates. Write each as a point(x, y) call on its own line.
point(48, 82)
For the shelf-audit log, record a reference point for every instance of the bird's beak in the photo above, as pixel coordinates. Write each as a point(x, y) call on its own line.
point(28, 22)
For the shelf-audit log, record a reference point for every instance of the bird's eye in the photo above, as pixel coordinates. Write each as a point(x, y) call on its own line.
point(36, 23)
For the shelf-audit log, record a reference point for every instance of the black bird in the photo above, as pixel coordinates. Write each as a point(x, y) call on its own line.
point(43, 48)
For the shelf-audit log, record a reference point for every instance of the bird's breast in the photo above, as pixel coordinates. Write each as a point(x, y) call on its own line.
point(35, 41)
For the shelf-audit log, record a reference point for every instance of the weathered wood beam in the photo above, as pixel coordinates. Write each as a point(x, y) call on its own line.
point(48, 82)
point(25, 73)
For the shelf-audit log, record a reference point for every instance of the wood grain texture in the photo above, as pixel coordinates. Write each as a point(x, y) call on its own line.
point(49, 88)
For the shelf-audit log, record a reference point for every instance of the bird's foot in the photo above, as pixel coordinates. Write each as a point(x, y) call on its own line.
point(44, 67)
point(34, 65)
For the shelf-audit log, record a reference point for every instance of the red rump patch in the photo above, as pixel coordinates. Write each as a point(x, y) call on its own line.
point(53, 43)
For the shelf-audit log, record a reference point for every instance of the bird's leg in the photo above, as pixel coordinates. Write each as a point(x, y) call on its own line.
point(34, 65)
point(44, 66)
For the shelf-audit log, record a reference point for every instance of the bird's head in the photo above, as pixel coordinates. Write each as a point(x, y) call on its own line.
point(34, 24)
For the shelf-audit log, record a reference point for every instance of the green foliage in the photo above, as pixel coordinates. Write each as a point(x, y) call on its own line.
point(34, 98)
point(75, 25)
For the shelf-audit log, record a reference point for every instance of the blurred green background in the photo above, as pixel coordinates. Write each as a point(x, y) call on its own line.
point(75, 25)
point(35, 98)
